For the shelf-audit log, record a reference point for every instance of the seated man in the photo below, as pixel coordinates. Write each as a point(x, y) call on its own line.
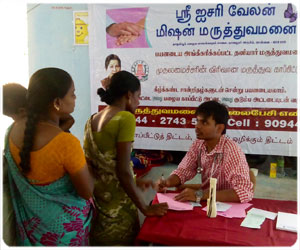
point(212, 155)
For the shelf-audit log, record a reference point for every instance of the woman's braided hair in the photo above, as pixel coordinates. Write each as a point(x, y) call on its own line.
point(45, 86)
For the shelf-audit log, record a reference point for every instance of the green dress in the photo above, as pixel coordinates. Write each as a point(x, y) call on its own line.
point(116, 222)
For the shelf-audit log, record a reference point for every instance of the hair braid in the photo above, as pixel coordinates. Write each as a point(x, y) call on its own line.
point(45, 86)
point(29, 133)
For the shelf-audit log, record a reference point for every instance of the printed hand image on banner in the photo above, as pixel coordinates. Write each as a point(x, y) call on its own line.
point(125, 28)
point(81, 34)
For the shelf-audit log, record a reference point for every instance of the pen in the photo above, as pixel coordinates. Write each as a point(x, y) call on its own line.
point(163, 178)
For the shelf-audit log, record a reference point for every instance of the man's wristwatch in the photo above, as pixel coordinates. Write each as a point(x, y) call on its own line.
point(199, 194)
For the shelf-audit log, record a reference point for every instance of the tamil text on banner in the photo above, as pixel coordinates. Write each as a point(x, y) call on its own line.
point(243, 55)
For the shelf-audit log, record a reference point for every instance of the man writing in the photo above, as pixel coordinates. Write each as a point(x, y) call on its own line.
point(212, 155)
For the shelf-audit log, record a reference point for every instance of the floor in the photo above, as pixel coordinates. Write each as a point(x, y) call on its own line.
point(269, 188)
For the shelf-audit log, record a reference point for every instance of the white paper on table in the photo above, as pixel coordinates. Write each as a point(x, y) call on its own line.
point(195, 204)
point(174, 205)
point(262, 212)
point(222, 207)
point(253, 221)
point(287, 222)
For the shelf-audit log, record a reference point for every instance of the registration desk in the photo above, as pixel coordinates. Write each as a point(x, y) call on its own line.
point(194, 228)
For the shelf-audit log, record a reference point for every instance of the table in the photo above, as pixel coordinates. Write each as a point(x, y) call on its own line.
point(194, 228)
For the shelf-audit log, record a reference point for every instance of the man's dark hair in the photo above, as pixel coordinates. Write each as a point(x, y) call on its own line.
point(218, 111)
point(14, 98)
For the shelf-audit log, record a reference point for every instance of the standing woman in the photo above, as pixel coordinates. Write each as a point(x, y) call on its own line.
point(108, 142)
point(112, 66)
point(49, 180)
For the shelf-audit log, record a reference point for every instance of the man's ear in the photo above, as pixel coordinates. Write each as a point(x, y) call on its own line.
point(220, 128)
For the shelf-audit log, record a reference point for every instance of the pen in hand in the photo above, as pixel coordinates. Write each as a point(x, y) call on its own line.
point(163, 179)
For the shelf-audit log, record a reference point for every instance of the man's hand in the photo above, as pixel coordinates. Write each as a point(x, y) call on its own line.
point(125, 29)
point(125, 39)
point(187, 194)
point(180, 188)
point(161, 185)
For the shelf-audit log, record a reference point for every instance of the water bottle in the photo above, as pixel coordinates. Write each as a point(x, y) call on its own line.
point(280, 167)
point(273, 168)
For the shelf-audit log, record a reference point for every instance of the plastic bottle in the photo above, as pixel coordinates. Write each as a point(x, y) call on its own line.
point(280, 167)
point(273, 168)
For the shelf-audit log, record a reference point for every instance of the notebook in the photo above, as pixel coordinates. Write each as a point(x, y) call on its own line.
point(287, 222)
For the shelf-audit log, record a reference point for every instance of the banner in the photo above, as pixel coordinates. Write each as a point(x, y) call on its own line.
point(243, 55)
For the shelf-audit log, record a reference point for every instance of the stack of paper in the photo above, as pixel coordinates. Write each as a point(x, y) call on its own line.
point(253, 221)
point(256, 217)
point(287, 222)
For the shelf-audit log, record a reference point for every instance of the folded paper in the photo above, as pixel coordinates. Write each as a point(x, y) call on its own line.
point(174, 205)
point(262, 212)
point(253, 221)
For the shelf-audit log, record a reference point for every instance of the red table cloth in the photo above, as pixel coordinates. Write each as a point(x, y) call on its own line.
point(194, 228)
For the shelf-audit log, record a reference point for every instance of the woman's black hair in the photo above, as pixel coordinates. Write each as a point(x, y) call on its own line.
point(45, 86)
point(112, 57)
point(121, 83)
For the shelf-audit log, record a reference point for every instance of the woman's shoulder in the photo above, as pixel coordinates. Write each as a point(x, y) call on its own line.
point(98, 115)
point(126, 114)
point(67, 136)
point(64, 138)
point(65, 142)
point(126, 117)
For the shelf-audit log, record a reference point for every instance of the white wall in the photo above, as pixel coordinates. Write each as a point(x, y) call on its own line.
point(50, 44)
